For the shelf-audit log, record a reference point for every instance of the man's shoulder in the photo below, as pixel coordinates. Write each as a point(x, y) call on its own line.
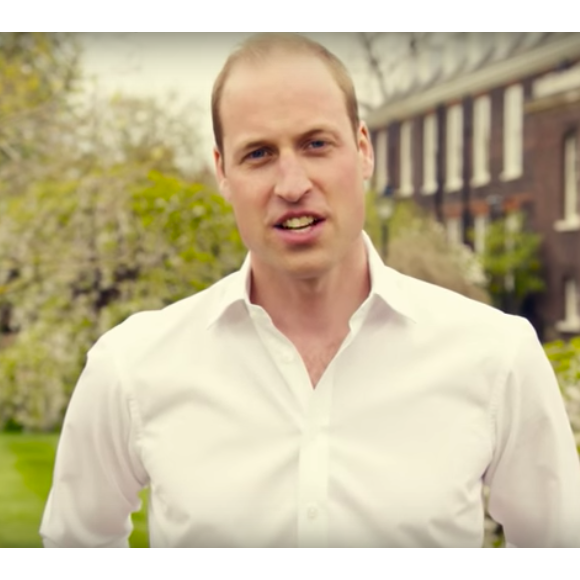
point(190, 314)
point(440, 306)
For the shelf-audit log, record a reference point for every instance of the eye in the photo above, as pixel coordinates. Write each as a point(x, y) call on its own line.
point(317, 144)
point(257, 154)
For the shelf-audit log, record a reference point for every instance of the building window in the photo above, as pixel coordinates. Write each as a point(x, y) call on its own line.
point(430, 154)
point(454, 149)
point(570, 178)
point(513, 124)
point(406, 160)
point(455, 230)
point(381, 160)
point(571, 322)
point(481, 140)
point(571, 301)
point(479, 233)
point(513, 225)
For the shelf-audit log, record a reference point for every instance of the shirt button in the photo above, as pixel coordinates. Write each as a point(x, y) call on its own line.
point(312, 512)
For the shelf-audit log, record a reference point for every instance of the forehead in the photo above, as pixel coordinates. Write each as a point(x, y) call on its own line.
point(284, 92)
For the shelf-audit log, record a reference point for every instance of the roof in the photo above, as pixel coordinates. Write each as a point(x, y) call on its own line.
point(470, 64)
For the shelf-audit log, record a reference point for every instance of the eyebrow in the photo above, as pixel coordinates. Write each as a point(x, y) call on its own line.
point(317, 131)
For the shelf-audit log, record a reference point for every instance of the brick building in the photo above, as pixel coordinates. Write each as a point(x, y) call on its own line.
point(496, 129)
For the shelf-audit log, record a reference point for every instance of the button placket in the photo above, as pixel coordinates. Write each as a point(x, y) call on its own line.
point(285, 357)
point(313, 468)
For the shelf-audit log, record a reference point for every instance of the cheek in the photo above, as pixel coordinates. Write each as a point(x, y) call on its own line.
point(239, 194)
point(352, 194)
point(349, 179)
point(247, 204)
point(245, 223)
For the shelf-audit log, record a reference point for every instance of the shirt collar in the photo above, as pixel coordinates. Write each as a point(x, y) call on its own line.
point(386, 285)
point(234, 289)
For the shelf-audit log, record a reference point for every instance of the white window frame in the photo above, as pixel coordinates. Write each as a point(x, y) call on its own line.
point(381, 160)
point(454, 148)
point(481, 140)
point(571, 322)
point(480, 224)
point(512, 224)
point(513, 133)
point(454, 227)
point(571, 182)
point(406, 183)
point(430, 135)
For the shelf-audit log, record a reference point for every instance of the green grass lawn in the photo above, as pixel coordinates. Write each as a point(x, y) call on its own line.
point(26, 463)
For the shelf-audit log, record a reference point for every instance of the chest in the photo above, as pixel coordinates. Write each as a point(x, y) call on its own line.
point(317, 355)
point(359, 485)
point(242, 452)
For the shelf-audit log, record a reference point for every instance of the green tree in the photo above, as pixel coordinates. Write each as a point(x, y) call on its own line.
point(565, 359)
point(511, 262)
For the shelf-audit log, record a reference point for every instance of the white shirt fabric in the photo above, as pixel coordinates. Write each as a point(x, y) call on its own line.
point(430, 397)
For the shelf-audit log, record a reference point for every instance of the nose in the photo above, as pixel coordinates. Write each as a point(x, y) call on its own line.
point(292, 181)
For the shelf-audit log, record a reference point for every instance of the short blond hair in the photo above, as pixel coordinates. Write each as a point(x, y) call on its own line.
point(259, 47)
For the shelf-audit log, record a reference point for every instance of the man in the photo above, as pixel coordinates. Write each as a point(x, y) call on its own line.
point(316, 397)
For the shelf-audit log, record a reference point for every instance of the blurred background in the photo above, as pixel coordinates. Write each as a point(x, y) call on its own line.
point(108, 203)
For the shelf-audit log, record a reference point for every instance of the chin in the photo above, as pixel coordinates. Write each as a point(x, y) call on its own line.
point(306, 268)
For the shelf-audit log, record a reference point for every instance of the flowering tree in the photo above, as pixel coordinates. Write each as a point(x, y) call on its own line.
point(418, 246)
point(104, 211)
point(102, 249)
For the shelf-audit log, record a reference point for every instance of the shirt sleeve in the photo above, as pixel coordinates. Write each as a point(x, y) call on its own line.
point(534, 478)
point(97, 474)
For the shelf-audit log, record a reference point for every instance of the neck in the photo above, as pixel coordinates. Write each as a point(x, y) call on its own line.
point(321, 305)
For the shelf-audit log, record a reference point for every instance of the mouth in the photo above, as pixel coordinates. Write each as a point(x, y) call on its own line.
point(298, 224)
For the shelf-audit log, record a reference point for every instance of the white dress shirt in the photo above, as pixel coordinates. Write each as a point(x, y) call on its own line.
point(430, 397)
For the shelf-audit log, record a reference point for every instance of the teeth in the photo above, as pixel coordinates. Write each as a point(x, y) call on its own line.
point(298, 222)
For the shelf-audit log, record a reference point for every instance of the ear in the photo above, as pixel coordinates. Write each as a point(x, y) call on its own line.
point(366, 152)
point(220, 173)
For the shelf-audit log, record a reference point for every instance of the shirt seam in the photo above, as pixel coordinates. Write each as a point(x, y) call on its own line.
point(499, 388)
point(135, 423)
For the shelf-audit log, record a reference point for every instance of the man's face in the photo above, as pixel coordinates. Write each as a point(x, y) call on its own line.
point(291, 166)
